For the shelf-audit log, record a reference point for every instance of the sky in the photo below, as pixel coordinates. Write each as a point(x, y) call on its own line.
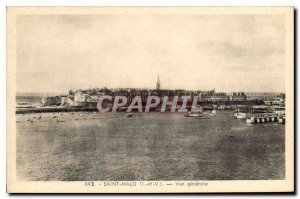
point(56, 53)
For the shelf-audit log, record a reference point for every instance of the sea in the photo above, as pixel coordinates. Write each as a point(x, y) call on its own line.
point(149, 146)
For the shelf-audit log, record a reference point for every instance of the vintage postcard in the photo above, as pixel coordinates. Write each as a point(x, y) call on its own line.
point(150, 99)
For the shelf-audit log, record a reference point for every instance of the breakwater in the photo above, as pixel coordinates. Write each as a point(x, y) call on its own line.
point(54, 109)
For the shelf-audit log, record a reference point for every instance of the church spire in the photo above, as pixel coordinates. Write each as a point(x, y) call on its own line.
point(158, 83)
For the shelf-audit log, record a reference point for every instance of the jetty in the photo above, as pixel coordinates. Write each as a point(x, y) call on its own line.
point(265, 117)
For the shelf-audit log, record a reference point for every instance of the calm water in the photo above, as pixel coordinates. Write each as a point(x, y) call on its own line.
point(149, 146)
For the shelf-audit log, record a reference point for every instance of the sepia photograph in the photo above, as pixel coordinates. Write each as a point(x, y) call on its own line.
point(150, 99)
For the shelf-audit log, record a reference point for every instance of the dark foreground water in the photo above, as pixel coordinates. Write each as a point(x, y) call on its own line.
point(149, 146)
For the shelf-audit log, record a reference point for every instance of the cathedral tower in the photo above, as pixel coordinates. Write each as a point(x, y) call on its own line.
point(158, 83)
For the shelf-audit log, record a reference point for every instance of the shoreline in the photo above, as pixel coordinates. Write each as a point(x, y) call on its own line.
point(54, 109)
point(78, 109)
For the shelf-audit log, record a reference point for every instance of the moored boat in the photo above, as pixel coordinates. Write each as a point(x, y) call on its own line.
point(129, 115)
point(213, 112)
point(189, 114)
point(281, 120)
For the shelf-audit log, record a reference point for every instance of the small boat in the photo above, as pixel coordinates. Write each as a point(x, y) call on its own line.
point(57, 120)
point(241, 116)
point(189, 114)
point(129, 115)
point(196, 115)
point(250, 120)
point(281, 120)
point(202, 117)
point(213, 112)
